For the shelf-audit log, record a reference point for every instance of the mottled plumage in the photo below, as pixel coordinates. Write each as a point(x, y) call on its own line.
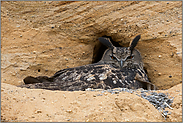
point(119, 67)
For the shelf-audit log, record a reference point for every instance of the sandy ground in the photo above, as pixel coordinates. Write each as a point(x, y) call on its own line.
point(82, 106)
point(40, 38)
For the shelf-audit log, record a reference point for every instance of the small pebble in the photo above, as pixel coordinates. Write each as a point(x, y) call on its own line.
point(162, 94)
point(99, 94)
point(38, 111)
point(159, 56)
point(31, 99)
point(170, 76)
point(64, 96)
point(143, 94)
point(69, 111)
point(88, 89)
point(165, 112)
point(105, 94)
point(159, 74)
point(138, 95)
point(20, 35)
point(172, 54)
point(169, 113)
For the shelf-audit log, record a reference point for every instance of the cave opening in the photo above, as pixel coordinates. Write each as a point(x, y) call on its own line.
point(99, 49)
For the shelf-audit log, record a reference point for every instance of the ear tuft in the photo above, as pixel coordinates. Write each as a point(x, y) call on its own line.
point(106, 42)
point(134, 42)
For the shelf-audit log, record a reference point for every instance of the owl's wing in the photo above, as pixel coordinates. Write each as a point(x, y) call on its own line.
point(78, 78)
point(81, 78)
point(95, 76)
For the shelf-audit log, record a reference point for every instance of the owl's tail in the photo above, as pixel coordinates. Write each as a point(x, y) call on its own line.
point(40, 82)
point(44, 82)
point(39, 79)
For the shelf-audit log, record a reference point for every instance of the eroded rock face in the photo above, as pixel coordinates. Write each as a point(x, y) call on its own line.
point(40, 38)
point(38, 105)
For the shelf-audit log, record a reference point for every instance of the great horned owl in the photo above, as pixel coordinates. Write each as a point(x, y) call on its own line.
point(120, 67)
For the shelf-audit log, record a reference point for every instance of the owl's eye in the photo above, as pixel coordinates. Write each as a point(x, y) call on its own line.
point(112, 57)
point(130, 57)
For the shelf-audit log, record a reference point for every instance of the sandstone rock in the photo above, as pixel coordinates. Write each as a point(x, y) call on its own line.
point(80, 24)
point(82, 106)
point(37, 36)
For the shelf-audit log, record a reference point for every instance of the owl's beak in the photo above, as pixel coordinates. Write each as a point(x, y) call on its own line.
point(121, 63)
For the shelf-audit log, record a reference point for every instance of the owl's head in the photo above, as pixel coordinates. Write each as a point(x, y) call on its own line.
point(121, 57)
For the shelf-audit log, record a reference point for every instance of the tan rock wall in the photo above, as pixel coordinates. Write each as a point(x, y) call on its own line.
point(40, 38)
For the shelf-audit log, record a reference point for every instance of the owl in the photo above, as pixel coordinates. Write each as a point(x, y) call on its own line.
point(120, 67)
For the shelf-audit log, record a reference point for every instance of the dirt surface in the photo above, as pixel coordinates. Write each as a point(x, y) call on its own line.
point(37, 105)
point(40, 38)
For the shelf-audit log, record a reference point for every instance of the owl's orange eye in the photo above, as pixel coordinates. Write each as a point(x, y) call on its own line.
point(130, 57)
point(112, 57)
